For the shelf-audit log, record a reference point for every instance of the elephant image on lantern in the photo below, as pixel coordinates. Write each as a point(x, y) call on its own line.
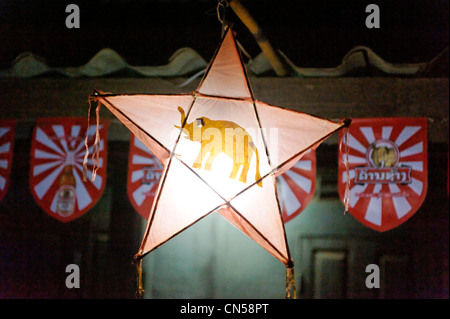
point(216, 137)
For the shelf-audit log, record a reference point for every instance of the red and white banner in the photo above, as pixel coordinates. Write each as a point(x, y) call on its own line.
point(297, 186)
point(56, 178)
point(7, 132)
point(144, 173)
point(388, 170)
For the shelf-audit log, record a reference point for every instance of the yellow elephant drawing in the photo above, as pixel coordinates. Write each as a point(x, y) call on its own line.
point(225, 137)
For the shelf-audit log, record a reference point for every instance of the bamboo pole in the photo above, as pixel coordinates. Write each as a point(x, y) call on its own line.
point(260, 38)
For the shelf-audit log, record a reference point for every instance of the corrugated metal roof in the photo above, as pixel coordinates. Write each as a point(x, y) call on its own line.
point(358, 61)
point(105, 63)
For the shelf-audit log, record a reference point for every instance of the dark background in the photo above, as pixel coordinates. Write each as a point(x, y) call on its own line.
point(311, 33)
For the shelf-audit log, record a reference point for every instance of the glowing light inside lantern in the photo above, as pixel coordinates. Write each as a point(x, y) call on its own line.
point(218, 176)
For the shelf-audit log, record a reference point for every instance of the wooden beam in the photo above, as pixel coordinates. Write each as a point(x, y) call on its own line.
point(333, 98)
point(264, 43)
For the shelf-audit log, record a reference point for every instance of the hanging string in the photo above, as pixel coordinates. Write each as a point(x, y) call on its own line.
point(86, 153)
point(344, 150)
point(138, 262)
point(291, 292)
point(96, 147)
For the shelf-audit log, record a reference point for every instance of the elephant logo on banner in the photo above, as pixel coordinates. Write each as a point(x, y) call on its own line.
point(383, 156)
point(218, 137)
point(382, 159)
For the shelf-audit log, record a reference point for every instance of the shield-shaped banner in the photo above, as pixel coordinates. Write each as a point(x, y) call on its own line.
point(7, 130)
point(297, 186)
point(144, 173)
point(56, 178)
point(388, 168)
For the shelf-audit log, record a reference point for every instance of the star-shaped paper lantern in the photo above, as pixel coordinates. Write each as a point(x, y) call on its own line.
point(221, 150)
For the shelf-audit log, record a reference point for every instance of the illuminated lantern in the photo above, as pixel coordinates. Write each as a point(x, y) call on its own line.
point(221, 150)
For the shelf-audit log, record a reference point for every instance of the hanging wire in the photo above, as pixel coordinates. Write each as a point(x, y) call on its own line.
point(221, 6)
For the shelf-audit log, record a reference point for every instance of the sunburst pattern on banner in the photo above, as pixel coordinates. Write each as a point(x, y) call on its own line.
point(388, 170)
point(7, 130)
point(144, 174)
point(297, 186)
point(56, 178)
